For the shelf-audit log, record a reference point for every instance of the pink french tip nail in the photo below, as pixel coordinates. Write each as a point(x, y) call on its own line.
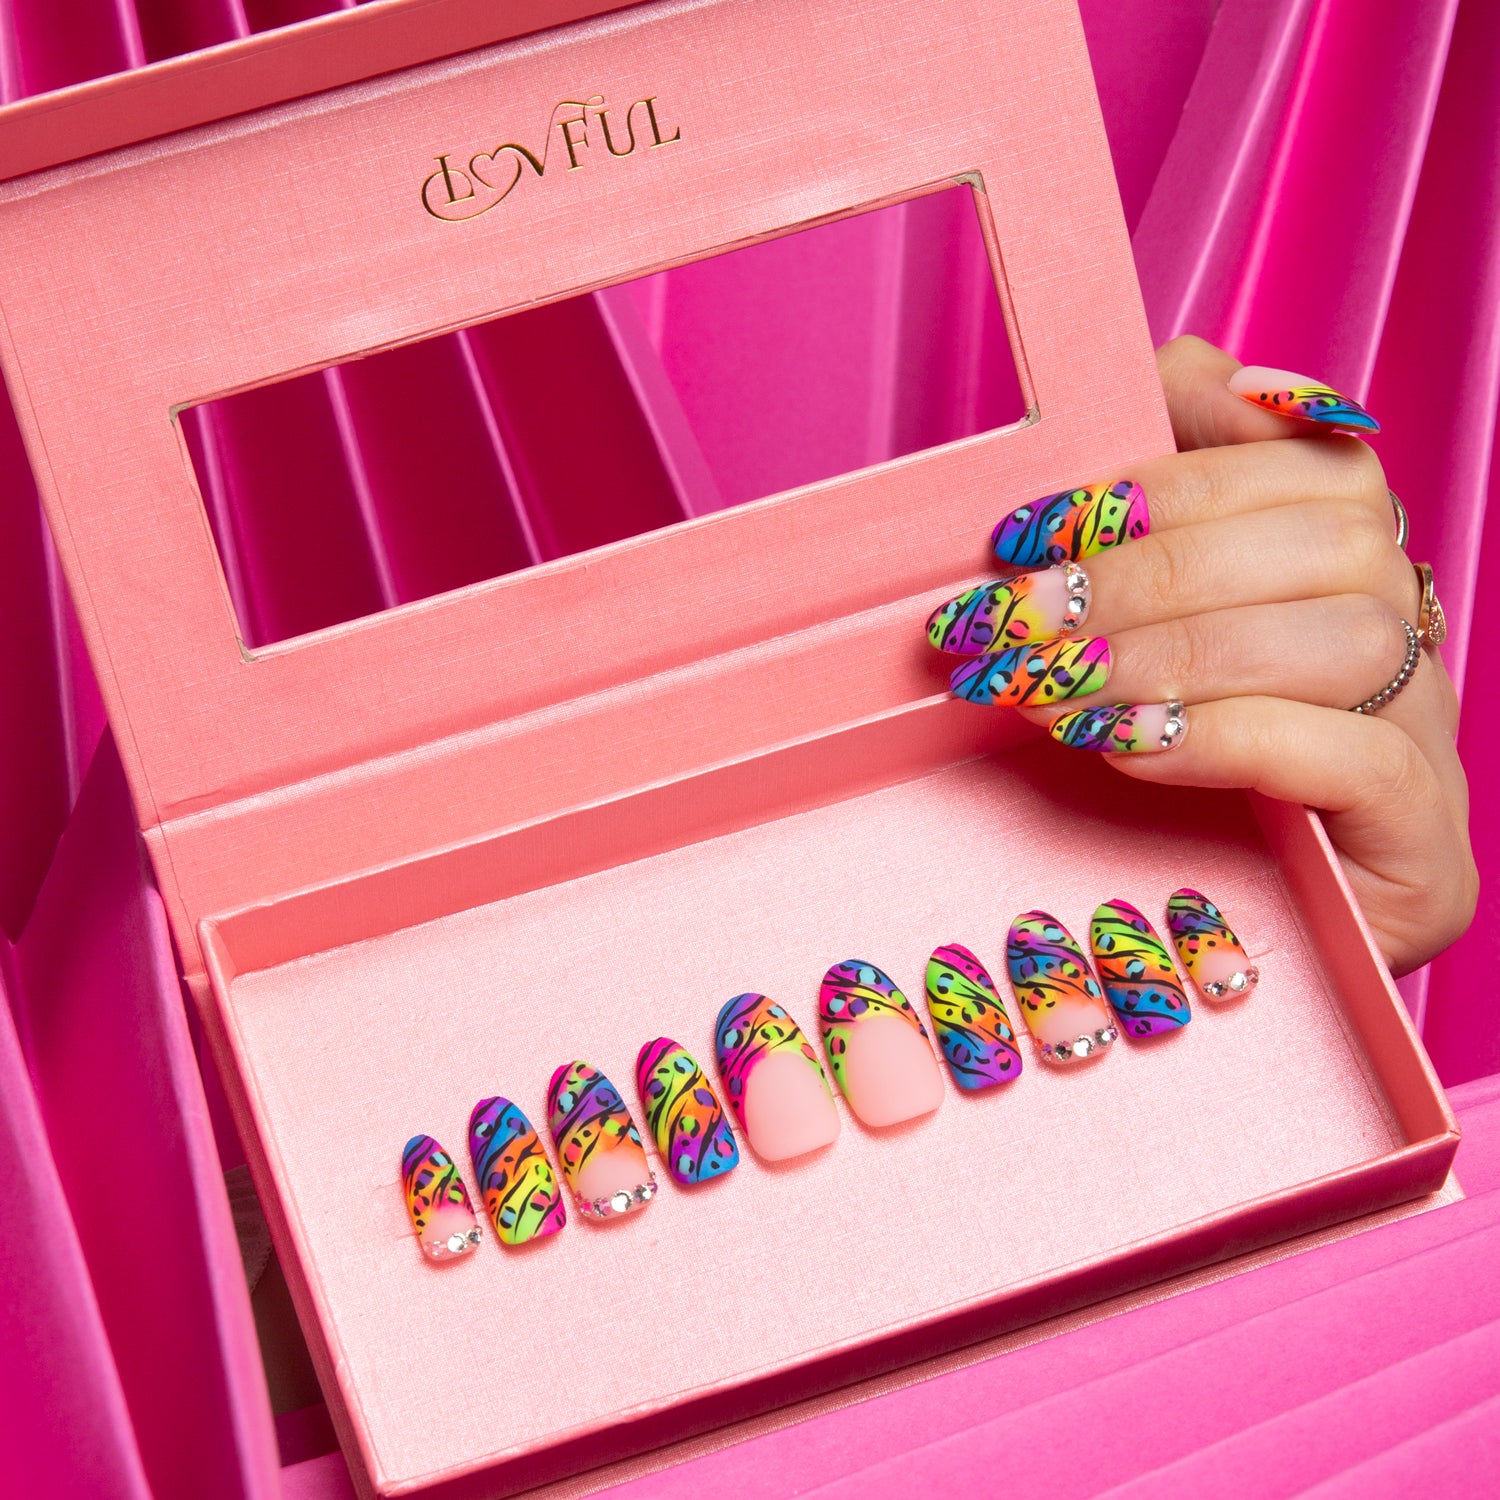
point(877, 1045)
point(775, 1083)
point(437, 1200)
point(1293, 395)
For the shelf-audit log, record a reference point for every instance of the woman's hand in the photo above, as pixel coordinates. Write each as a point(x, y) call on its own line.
point(1268, 597)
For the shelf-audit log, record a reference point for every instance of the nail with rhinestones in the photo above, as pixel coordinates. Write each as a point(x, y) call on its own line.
point(1122, 728)
point(1060, 998)
point(1136, 972)
point(775, 1084)
point(1072, 524)
point(1208, 948)
point(1035, 676)
point(973, 1028)
point(1020, 611)
point(1297, 396)
point(516, 1182)
point(683, 1114)
point(877, 1045)
point(597, 1143)
point(437, 1200)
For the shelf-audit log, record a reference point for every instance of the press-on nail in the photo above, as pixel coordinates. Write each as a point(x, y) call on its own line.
point(877, 1045)
point(1208, 948)
point(1037, 675)
point(1136, 971)
point(1072, 524)
point(1021, 611)
point(437, 1200)
point(775, 1083)
point(972, 1026)
point(1060, 998)
point(683, 1114)
point(597, 1143)
point(1122, 728)
point(1297, 396)
point(516, 1182)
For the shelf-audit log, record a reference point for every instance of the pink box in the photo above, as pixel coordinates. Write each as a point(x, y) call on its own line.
point(427, 855)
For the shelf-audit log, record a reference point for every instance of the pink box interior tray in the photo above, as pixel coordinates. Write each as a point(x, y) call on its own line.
point(1268, 1116)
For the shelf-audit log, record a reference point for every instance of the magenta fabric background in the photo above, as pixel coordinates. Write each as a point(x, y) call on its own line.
point(1308, 186)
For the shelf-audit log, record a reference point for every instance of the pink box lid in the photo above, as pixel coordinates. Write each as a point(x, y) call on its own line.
point(199, 265)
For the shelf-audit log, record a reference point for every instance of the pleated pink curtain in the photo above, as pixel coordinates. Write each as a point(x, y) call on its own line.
point(1309, 184)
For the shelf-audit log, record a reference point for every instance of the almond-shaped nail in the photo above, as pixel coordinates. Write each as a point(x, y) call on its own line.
point(516, 1182)
point(1122, 728)
point(1072, 524)
point(877, 1045)
point(437, 1200)
point(1059, 996)
point(1020, 611)
point(597, 1143)
point(1036, 675)
point(683, 1114)
point(1294, 395)
point(775, 1083)
point(1136, 971)
point(1208, 948)
point(973, 1028)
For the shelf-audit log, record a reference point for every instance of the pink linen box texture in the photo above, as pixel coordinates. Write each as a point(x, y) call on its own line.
point(415, 858)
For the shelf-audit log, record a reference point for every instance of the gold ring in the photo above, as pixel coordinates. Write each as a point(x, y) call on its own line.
point(1403, 523)
point(1432, 623)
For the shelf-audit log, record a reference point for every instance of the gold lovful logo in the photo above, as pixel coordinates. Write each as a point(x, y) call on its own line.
point(459, 191)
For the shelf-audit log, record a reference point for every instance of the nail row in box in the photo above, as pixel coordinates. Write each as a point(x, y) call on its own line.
point(877, 1048)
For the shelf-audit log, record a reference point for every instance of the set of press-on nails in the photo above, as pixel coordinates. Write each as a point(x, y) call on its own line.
point(877, 1049)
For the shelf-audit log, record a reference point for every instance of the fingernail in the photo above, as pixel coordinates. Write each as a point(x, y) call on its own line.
point(1298, 396)
point(684, 1114)
point(437, 1200)
point(776, 1085)
point(972, 1026)
point(877, 1045)
point(1072, 524)
point(1136, 971)
point(1122, 728)
point(1060, 998)
point(1048, 673)
point(516, 1181)
point(1019, 612)
point(1208, 948)
point(597, 1143)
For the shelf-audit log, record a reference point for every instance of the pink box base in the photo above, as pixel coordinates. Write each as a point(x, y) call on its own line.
point(999, 1210)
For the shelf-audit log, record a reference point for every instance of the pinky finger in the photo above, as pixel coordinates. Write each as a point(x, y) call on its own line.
point(1406, 855)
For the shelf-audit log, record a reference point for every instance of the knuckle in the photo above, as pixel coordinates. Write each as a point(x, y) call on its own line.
point(1372, 635)
point(1170, 560)
point(1359, 542)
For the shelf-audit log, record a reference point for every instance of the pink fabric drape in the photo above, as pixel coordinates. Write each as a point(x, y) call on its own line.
point(1309, 183)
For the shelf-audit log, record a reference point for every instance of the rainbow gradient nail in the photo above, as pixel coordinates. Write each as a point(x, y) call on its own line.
point(1072, 524)
point(1020, 611)
point(1034, 675)
point(1293, 395)
point(437, 1200)
point(1136, 972)
point(1059, 996)
point(516, 1181)
point(972, 1026)
point(1208, 948)
point(683, 1114)
point(1122, 728)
